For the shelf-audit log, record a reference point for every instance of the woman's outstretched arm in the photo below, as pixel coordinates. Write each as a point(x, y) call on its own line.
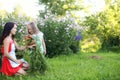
point(19, 47)
point(6, 43)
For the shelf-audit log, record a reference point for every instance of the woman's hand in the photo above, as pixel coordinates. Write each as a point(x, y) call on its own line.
point(23, 47)
point(44, 52)
point(31, 46)
point(27, 37)
point(19, 61)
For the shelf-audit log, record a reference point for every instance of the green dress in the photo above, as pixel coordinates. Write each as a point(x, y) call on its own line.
point(38, 61)
point(38, 38)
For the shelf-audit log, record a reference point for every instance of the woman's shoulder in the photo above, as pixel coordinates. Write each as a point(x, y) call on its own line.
point(33, 35)
point(7, 40)
point(40, 33)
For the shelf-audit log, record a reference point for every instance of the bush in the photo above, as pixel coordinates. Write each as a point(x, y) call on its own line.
point(37, 61)
point(1, 27)
point(59, 35)
point(75, 46)
point(90, 44)
point(110, 42)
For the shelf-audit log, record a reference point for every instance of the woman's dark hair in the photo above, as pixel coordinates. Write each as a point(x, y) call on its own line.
point(6, 31)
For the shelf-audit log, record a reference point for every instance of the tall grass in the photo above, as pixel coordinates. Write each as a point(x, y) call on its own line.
point(84, 66)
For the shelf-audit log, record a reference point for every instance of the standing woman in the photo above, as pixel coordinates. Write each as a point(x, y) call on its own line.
point(38, 61)
point(37, 35)
point(10, 64)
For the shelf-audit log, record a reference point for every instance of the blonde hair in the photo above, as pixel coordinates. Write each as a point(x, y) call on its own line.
point(34, 27)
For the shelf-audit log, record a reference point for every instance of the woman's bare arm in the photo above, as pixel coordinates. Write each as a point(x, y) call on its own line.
point(44, 45)
point(19, 47)
point(6, 43)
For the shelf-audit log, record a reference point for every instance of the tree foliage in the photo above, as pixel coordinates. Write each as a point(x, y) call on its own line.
point(60, 7)
point(106, 25)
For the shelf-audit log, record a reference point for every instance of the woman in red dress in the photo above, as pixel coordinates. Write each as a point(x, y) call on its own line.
point(10, 64)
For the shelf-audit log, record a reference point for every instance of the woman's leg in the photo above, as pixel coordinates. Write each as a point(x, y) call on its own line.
point(26, 66)
point(21, 72)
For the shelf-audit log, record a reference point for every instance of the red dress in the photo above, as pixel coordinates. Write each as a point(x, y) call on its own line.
point(7, 65)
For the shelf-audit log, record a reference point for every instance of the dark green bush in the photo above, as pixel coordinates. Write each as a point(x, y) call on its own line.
point(37, 61)
point(59, 36)
point(111, 44)
point(75, 46)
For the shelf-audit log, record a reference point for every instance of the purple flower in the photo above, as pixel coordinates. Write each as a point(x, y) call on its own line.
point(42, 23)
point(78, 37)
point(20, 30)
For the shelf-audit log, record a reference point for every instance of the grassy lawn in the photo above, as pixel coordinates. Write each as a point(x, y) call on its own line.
point(84, 66)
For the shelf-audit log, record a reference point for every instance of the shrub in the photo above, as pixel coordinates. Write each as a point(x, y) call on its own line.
point(59, 35)
point(37, 61)
point(90, 44)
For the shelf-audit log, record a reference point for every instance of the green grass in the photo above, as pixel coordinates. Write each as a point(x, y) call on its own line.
point(78, 67)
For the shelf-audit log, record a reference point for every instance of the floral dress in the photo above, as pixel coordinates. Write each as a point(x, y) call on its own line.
point(8, 66)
